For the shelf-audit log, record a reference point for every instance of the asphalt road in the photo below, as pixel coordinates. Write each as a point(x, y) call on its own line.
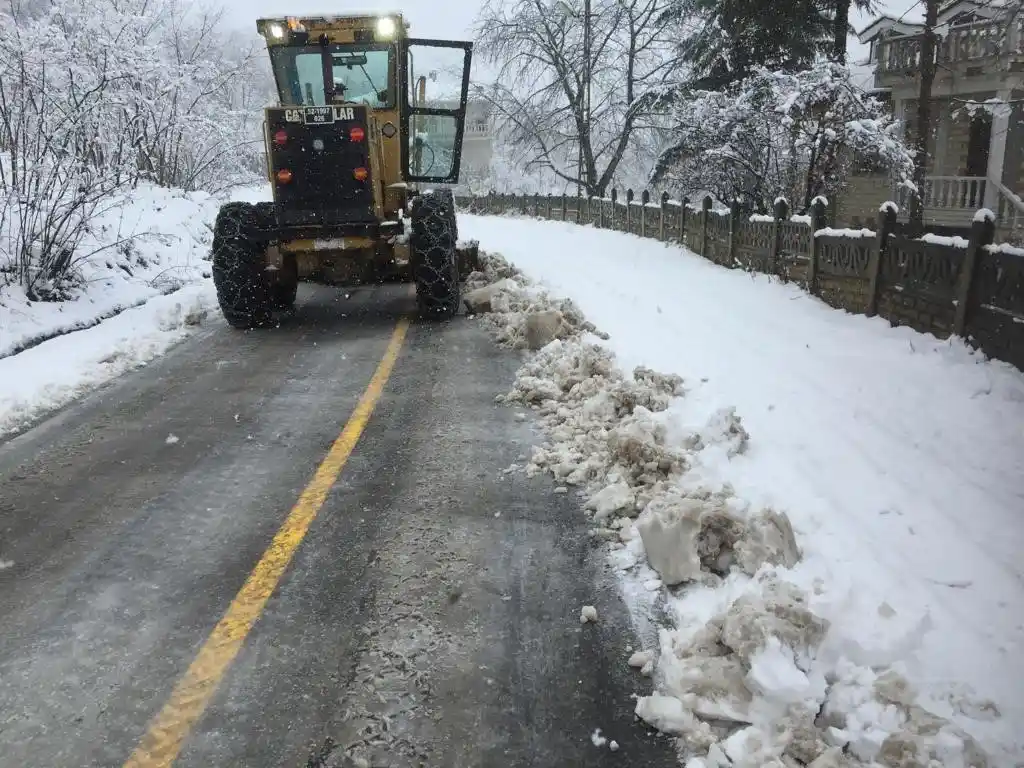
point(429, 616)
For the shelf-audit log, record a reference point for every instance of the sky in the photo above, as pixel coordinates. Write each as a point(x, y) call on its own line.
point(447, 19)
point(453, 19)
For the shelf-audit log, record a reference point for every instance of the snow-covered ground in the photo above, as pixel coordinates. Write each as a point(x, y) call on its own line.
point(899, 459)
point(143, 283)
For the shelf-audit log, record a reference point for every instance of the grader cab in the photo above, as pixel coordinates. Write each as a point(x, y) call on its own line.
point(351, 150)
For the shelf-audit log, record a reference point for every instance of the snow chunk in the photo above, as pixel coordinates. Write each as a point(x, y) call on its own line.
point(172, 439)
point(984, 214)
point(779, 612)
point(611, 499)
point(641, 658)
point(668, 715)
point(588, 614)
point(543, 327)
point(480, 300)
point(668, 529)
point(597, 739)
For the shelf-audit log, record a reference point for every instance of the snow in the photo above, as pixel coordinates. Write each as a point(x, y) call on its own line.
point(953, 241)
point(888, 206)
point(165, 244)
point(588, 614)
point(597, 739)
point(832, 232)
point(33, 382)
point(800, 218)
point(128, 306)
point(1012, 250)
point(896, 457)
point(984, 214)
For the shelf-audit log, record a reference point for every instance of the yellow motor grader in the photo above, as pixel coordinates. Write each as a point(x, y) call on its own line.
point(352, 149)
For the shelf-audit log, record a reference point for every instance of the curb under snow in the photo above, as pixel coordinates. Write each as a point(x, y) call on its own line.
point(749, 676)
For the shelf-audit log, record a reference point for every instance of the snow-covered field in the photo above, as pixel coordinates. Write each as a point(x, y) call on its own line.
point(134, 300)
point(898, 458)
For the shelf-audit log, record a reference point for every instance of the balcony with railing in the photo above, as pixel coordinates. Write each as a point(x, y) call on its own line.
point(960, 46)
point(952, 201)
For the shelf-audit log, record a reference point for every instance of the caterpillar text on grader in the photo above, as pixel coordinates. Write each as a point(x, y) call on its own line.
point(349, 148)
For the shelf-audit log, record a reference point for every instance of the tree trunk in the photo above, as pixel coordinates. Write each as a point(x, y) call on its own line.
point(840, 30)
point(924, 117)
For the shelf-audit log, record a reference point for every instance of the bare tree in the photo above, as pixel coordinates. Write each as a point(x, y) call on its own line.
point(570, 80)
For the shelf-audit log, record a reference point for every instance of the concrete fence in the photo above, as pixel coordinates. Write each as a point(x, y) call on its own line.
point(941, 285)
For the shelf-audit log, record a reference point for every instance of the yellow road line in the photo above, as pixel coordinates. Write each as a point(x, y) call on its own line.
point(168, 730)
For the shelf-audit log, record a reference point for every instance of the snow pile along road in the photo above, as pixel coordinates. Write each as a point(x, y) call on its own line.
point(140, 282)
point(760, 664)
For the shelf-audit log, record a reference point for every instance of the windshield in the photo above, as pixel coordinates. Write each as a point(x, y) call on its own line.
point(362, 73)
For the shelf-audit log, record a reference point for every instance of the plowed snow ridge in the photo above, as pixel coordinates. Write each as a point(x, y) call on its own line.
point(898, 458)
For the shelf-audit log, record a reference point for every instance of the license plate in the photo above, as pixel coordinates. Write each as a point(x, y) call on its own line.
point(318, 115)
point(330, 244)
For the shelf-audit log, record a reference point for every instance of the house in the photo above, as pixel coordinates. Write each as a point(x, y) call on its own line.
point(977, 155)
point(477, 137)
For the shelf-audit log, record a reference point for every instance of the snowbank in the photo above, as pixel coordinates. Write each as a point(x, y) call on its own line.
point(142, 283)
point(883, 626)
point(154, 244)
point(54, 373)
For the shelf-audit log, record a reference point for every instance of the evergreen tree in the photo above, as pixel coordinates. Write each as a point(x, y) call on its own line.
point(725, 41)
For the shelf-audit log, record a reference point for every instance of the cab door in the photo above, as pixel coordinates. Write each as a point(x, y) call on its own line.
point(435, 87)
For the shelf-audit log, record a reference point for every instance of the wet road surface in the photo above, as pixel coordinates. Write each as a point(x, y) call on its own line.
point(429, 615)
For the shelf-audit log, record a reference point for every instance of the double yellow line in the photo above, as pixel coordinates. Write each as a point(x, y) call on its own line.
point(168, 730)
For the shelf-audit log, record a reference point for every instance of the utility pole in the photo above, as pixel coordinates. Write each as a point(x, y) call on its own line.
point(582, 172)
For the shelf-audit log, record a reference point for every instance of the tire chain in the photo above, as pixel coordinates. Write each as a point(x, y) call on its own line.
point(435, 264)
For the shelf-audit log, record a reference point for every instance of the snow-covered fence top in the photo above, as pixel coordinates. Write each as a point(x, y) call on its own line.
point(933, 284)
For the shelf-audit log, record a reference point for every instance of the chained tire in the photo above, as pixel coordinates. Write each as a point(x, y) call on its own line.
point(239, 239)
point(435, 263)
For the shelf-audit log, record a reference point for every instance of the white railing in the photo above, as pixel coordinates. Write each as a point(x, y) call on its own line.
point(953, 193)
point(1010, 208)
point(962, 44)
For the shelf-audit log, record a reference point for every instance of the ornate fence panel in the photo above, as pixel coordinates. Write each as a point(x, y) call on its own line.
point(794, 250)
point(844, 271)
point(995, 319)
point(718, 226)
point(918, 282)
point(754, 244)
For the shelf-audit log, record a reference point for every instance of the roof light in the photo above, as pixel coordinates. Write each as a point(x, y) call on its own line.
point(276, 30)
point(386, 27)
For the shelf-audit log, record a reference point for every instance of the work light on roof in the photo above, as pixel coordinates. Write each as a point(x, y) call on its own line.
point(386, 27)
point(276, 30)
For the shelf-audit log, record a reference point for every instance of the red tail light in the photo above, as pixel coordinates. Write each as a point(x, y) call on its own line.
point(361, 174)
point(284, 176)
point(357, 133)
point(281, 138)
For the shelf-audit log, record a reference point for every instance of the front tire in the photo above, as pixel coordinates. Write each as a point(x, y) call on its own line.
point(239, 239)
point(435, 264)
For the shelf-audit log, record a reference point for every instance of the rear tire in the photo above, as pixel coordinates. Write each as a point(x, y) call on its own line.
point(435, 263)
point(239, 239)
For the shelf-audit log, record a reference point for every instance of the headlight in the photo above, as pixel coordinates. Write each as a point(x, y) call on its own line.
point(386, 27)
point(276, 31)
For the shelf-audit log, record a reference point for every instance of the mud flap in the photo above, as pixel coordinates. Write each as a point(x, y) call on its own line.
point(468, 254)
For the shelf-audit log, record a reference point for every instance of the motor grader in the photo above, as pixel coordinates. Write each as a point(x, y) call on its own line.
point(352, 149)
